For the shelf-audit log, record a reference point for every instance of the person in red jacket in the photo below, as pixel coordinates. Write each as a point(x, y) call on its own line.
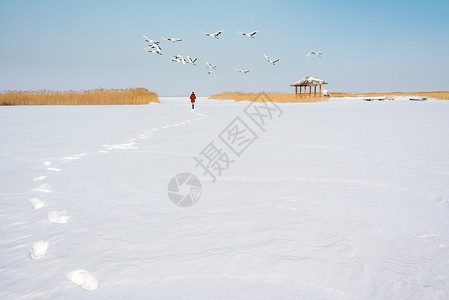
point(192, 99)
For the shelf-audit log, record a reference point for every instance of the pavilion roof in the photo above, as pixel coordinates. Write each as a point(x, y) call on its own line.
point(307, 81)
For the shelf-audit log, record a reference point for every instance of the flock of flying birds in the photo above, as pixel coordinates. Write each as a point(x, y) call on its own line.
point(154, 47)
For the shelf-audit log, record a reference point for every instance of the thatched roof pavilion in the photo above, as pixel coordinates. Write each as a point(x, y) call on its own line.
point(308, 81)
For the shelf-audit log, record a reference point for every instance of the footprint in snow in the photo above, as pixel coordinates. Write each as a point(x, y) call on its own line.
point(84, 279)
point(73, 157)
point(37, 203)
point(125, 146)
point(39, 178)
point(39, 250)
point(44, 188)
point(54, 169)
point(59, 217)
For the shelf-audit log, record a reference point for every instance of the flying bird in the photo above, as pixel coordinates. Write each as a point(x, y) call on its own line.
point(153, 46)
point(156, 49)
point(191, 61)
point(242, 71)
point(214, 35)
point(210, 66)
point(172, 39)
point(271, 61)
point(147, 39)
point(315, 53)
point(180, 59)
point(211, 73)
point(250, 35)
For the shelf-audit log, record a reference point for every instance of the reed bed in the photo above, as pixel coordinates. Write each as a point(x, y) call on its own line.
point(275, 97)
point(88, 97)
point(442, 95)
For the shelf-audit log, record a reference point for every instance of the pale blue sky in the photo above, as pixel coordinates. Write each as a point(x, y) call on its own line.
point(367, 45)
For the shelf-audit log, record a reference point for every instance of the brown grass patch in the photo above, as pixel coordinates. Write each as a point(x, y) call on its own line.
point(90, 97)
point(275, 97)
point(437, 95)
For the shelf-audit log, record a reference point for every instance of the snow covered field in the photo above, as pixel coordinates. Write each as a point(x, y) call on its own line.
point(336, 200)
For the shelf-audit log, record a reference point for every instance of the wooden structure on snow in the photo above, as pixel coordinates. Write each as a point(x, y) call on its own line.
point(308, 81)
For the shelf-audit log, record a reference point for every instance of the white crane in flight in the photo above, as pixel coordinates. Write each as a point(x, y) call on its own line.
point(273, 62)
point(250, 34)
point(174, 40)
point(214, 35)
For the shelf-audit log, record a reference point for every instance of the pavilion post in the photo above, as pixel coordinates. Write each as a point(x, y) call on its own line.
point(320, 90)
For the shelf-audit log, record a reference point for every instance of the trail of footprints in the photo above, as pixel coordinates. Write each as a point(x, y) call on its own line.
point(39, 248)
point(131, 143)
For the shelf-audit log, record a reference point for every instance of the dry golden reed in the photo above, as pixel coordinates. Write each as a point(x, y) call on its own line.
point(89, 97)
point(275, 97)
point(436, 95)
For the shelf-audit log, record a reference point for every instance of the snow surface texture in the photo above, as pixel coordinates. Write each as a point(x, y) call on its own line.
point(344, 199)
